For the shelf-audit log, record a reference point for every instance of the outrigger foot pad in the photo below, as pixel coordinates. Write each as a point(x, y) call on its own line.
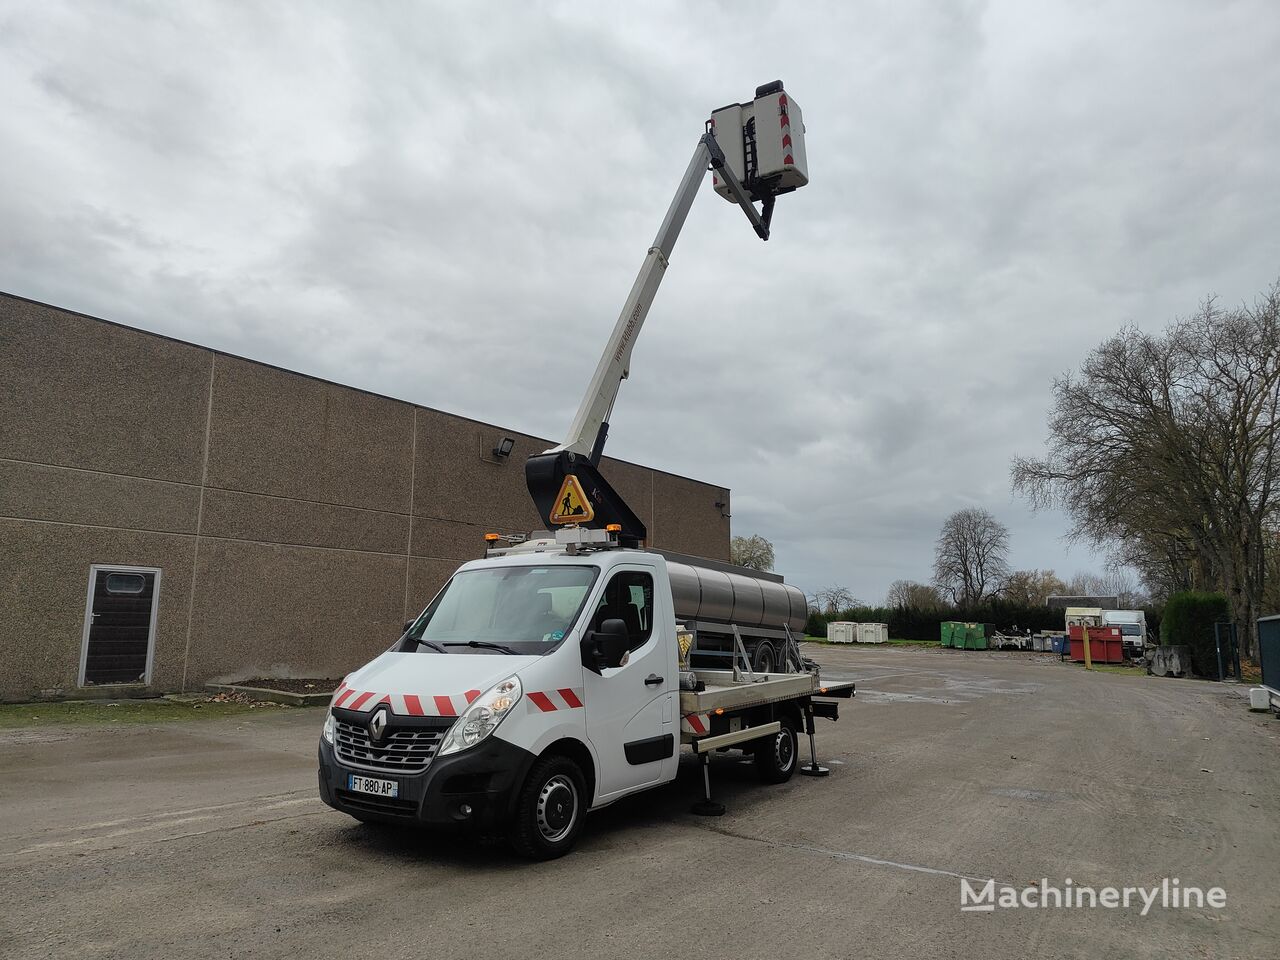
point(707, 808)
point(813, 770)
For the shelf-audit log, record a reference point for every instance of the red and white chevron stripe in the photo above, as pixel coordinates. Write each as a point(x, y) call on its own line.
point(784, 124)
point(698, 724)
point(404, 704)
point(549, 701)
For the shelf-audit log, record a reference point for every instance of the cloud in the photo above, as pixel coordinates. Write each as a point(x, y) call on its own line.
point(448, 204)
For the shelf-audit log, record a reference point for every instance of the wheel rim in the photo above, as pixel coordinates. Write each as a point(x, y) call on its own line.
point(557, 808)
point(784, 751)
point(764, 661)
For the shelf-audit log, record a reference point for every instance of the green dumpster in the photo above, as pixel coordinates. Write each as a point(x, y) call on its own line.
point(953, 634)
point(975, 636)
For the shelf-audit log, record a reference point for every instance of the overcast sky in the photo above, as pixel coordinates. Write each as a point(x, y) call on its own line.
point(447, 203)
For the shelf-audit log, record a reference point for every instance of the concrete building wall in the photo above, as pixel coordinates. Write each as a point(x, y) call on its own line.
point(297, 523)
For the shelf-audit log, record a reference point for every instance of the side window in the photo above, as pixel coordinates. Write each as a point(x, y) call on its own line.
point(628, 597)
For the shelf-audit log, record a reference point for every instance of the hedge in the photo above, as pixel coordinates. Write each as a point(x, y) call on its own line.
point(1188, 620)
point(906, 623)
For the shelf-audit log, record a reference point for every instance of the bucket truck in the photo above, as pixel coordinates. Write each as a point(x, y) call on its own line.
point(553, 676)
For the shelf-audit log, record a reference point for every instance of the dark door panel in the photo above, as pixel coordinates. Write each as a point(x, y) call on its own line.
point(119, 627)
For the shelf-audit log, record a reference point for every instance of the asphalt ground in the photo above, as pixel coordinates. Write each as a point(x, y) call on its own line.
point(206, 838)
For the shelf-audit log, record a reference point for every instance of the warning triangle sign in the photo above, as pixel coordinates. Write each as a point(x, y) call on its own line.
point(572, 505)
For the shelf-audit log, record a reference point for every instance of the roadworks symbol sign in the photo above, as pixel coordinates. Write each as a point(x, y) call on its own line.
point(572, 505)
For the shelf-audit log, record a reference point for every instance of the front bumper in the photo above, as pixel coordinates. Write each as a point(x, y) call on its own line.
point(486, 778)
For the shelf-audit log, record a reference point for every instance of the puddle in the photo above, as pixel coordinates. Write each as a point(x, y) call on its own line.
point(884, 696)
point(25, 736)
point(1037, 796)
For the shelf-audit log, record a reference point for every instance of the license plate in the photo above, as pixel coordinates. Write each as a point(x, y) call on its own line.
point(379, 788)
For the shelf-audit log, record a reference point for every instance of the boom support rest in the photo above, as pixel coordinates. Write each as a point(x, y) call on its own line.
point(544, 474)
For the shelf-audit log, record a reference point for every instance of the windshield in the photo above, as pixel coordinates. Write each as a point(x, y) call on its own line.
point(1130, 630)
point(526, 610)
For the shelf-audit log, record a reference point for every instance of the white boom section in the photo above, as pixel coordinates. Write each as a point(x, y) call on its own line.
point(615, 362)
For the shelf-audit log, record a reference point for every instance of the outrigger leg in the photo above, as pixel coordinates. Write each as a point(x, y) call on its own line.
point(706, 807)
point(812, 769)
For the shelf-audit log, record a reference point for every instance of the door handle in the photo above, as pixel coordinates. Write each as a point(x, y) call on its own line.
point(652, 680)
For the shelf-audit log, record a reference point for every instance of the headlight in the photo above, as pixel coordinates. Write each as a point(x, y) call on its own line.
point(327, 732)
point(482, 717)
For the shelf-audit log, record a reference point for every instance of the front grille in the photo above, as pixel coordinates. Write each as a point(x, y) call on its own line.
point(365, 803)
point(402, 750)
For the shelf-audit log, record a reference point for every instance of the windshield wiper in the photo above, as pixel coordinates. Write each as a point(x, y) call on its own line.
point(481, 643)
point(429, 643)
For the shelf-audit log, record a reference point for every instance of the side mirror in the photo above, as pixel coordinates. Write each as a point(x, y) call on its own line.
point(606, 647)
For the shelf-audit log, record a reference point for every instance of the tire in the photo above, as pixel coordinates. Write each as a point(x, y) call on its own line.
point(549, 809)
point(776, 757)
point(765, 661)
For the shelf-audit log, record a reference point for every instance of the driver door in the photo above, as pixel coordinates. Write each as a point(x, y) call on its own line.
point(627, 704)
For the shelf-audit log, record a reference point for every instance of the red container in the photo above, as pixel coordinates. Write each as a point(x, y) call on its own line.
point(1106, 644)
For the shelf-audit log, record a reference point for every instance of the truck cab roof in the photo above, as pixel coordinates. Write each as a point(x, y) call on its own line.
point(603, 559)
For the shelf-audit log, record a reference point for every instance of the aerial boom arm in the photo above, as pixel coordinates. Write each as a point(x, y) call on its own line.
point(565, 482)
point(590, 424)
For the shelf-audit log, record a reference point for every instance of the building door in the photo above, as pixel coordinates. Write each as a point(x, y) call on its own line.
point(120, 625)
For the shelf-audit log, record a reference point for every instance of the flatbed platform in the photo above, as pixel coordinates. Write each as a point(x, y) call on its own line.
point(722, 693)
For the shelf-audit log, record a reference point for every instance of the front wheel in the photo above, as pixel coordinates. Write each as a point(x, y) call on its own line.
point(549, 809)
point(776, 756)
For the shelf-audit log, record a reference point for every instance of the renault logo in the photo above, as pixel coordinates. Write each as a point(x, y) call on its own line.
point(377, 725)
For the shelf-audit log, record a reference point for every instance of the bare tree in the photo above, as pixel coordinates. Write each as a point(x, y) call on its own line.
point(1085, 583)
point(1271, 588)
point(910, 595)
point(971, 557)
point(1164, 450)
point(1032, 588)
point(1121, 584)
point(1163, 565)
point(1116, 586)
point(754, 552)
point(833, 599)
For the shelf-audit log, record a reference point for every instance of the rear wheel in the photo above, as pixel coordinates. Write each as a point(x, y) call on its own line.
point(549, 809)
point(776, 756)
point(765, 659)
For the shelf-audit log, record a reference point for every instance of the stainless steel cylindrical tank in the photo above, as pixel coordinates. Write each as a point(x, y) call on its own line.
point(709, 595)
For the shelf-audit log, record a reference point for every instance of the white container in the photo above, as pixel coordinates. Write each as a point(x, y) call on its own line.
point(1259, 698)
point(726, 124)
point(781, 161)
point(842, 631)
point(873, 632)
point(1084, 616)
point(780, 140)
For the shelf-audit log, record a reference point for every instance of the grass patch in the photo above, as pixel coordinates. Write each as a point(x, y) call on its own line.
point(101, 712)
